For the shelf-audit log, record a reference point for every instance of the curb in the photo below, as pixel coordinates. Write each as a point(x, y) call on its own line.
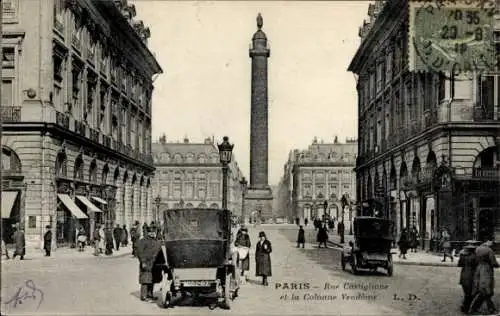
point(407, 263)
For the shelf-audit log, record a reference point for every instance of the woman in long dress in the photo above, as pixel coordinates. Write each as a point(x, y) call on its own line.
point(263, 258)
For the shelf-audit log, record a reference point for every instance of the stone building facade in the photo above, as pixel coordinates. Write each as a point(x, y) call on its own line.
point(323, 172)
point(190, 175)
point(428, 144)
point(76, 106)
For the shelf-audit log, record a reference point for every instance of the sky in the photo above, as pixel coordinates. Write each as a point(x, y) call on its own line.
point(204, 91)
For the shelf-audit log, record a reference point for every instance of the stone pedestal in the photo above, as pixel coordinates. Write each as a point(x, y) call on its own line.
point(259, 199)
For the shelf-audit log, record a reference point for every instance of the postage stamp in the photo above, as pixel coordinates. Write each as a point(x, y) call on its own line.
point(452, 37)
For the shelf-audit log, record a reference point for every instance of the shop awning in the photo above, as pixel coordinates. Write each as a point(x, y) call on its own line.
point(72, 207)
point(8, 199)
point(91, 207)
point(98, 199)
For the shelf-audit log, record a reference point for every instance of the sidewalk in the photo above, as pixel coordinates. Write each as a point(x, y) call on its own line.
point(67, 252)
point(419, 258)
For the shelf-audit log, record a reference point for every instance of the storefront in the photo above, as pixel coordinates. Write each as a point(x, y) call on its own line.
point(13, 193)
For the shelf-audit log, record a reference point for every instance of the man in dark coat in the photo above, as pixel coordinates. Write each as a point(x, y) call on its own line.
point(117, 235)
point(301, 238)
point(484, 279)
point(108, 234)
point(263, 258)
point(147, 250)
point(134, 236)
point(124, 236)
point(47, 240)
point(467, 261)
point(340, 230)
point(20, 243)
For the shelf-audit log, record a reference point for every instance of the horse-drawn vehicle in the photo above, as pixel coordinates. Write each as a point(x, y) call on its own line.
point(197, 247)
point(371, 247)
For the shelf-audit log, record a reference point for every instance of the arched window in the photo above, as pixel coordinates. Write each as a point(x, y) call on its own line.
point(105, 171)
point(214, 205)
point(93, 171)
point(61, 165)
point(78, 173)
point(116, 175)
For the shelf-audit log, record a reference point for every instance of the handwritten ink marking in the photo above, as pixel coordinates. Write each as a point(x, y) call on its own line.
point(26, 291)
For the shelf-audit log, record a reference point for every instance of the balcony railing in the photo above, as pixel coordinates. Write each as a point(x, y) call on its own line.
point(76, 42)
point(482, 114)
point(128, 150)
point(62, 119)
point(486, 172)
point(94, 135)
point(427, 173)
point(11, 113)
point(121, 147)
point(59, 26)
point(106, 141)
point(80, 128)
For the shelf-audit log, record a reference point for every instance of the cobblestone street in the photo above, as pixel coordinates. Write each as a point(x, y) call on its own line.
point(96, 285)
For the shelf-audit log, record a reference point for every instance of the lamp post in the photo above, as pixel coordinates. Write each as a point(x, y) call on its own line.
point(243, 183)
point(225, 153)
point(157, 202)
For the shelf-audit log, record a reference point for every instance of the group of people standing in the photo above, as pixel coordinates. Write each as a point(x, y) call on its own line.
point(408, 240)
point(262, 254)
point(19, 241)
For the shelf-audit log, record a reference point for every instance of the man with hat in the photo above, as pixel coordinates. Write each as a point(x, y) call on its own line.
point(263, 258)
point(484, 278)
point(147, 250)
point(243, 244)
point(467, 261)
point(47, 240)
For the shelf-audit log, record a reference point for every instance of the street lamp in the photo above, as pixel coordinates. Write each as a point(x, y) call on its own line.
point(225, 153)
point(157, 201)
point(243, 183)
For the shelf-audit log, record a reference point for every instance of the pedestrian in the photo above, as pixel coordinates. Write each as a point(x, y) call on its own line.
point(134, 236)
point(144, 229)
point(297, 221)
point(403, 243)
point(243, 244)
point(147, 252)
point(47, 240)
point(124, 236)
point(340, 230)
point(97, 240)
point(322, 236)
point(306, 221)
point(301, 237)
point(413, 239)
point(82, 239)
point(484, 279)
point(467, 261)
point(263, 258)
point(109, 241)
point(20, 242)
point(446, 246)
point(117, 235)
point(102, 241)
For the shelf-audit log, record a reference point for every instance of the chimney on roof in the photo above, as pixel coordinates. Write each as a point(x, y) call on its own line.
point(186, 140)
point(208, 140)
point(336, 140)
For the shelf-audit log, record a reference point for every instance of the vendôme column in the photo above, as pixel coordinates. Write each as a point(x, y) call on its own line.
point(259, 197)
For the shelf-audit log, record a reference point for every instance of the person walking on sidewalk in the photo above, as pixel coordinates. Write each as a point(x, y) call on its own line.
point(403, 243)
point(102, 241)
point(322, 236)
point(243, 244)
point(109, 241)
point(484, 278)
point(301, 237)
point(97, 240)
point(340, 230)
point(446, 246)
point(124, 236)
point(134, 236)
point(82, 239)
point(47, 240)
point(413, 239)
point(117, 235)
point(263, 258)
point(467, 261)
point(20, 242)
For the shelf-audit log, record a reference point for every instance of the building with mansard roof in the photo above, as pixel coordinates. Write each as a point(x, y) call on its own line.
point(323, 172)
point(429, 145)
point(190, 175)
point(76, 109)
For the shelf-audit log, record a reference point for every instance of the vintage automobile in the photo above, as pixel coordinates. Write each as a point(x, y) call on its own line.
point(371, 248)
point(197, 248)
